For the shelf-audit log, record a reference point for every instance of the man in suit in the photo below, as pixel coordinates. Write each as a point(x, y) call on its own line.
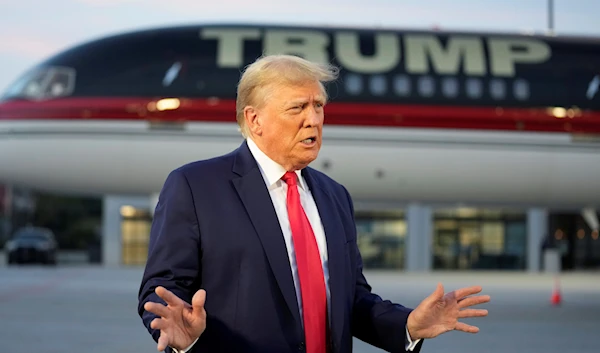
point(254, 251)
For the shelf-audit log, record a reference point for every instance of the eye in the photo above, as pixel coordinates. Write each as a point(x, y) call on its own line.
point(298, 107)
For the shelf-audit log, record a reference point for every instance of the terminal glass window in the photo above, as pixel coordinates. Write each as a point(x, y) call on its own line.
point(135, 235)
point(467, 238)
point(576, 240)
point(381, 239)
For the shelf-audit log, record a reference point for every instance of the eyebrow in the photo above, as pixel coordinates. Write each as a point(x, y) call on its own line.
point(320, 99)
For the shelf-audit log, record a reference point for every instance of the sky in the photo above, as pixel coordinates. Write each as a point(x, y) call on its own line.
point(32, 30)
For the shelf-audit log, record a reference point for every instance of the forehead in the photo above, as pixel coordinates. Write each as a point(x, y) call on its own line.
point(310, 90)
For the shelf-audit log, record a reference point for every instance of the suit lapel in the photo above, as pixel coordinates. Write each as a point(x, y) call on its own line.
point(252, 190)
point(334, 233)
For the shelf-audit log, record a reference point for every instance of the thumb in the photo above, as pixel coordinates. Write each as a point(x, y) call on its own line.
point(198, 300)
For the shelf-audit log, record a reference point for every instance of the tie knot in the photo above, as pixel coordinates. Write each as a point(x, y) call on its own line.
point(289, 178)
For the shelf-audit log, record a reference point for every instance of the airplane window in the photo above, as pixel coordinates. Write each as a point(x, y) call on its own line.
point(426, 86)
point(593, 87)
point(521, 89)
point(474, 88)
point(27, 84)
point(33, 89)
point(57, 89)
point(450, 87)
point(171, 74)
point(402, 85)
point(43, 83)
point(353, 84)
point(378, 85)
point(497, 89)
point(61, 82)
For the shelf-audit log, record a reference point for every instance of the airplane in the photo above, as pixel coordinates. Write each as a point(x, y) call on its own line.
point(420, 116)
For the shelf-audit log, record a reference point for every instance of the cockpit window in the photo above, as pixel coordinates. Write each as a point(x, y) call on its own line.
point(43, 83)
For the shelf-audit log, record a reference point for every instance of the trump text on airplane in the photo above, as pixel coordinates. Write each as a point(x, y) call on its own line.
point(412, 53)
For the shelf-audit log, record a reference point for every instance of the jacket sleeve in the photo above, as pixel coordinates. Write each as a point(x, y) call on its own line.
point(174, 248)
point(378, 322)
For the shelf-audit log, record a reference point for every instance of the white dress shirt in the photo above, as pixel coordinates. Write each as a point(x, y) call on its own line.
point(272, 172)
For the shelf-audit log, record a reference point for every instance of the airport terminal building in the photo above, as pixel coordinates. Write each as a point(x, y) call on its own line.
point(413, 236)
point(462, 151)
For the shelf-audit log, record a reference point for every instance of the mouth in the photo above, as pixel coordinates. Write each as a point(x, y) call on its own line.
point(309, 141)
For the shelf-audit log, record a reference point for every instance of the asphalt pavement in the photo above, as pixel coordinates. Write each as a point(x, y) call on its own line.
point(93, 310)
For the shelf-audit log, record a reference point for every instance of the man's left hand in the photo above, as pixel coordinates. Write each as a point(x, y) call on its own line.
point(439, 313)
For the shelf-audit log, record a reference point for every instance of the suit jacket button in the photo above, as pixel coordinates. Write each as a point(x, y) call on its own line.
point(301, 346)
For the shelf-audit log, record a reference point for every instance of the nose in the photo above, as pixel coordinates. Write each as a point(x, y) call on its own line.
point(314, 117)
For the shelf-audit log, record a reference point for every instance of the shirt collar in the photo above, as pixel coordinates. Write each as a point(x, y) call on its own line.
point(271, 170)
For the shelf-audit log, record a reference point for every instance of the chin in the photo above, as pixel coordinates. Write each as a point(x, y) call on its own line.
point(304, 158)
point(306, 161)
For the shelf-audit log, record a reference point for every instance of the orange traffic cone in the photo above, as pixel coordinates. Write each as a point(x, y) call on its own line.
point(556, 298)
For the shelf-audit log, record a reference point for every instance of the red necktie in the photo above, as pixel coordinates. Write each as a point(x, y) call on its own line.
point(310, 270)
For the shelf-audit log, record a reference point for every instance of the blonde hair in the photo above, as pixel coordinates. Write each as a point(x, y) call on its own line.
point(273, 70)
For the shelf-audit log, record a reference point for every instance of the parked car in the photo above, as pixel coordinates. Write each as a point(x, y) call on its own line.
point(32, 245)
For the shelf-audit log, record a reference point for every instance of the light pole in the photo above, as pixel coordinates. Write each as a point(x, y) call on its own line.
point(550, 17)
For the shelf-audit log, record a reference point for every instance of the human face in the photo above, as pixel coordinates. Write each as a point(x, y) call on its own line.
point(288, 126)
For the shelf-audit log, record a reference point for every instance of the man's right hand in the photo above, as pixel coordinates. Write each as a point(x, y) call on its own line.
point(180, 323)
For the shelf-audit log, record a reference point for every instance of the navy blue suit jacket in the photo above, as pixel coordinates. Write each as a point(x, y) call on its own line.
point(215, 228)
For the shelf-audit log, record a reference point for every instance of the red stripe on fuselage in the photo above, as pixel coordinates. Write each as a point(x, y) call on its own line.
point(349, 114)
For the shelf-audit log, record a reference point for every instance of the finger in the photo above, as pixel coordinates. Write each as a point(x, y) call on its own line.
point(470, 301)
point(461, 326)
point(158, 324)
point(163, 341)
point(472, 313)
point(464, 292)
point(198, 300)
point(157, 308)
point(168, 296)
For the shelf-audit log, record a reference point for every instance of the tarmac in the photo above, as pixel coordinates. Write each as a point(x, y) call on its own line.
point(93, 310)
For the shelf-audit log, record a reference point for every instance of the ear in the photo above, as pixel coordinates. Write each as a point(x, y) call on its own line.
point(253, 122)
